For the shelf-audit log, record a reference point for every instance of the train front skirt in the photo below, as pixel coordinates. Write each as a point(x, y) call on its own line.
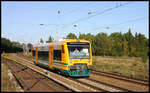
point(77, 73)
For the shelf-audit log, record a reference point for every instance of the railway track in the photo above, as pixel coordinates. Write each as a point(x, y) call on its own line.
point(104, 88)
point(123, 83)
point(125, 78)
point(32, 81)
point(68, 83)
point(101, 81)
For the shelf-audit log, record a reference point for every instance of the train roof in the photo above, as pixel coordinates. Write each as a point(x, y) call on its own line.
point(59, 42)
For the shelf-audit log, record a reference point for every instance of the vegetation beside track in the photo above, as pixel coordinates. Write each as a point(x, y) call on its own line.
point(128, 66)
point(9, 56)
point(7, 84)
point(28, 54)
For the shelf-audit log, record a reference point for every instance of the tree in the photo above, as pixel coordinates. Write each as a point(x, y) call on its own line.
point(147, 45)
point(117, 44)
point(141, 44)
point(116, 39)
point(10, 47)
point(50, 39)
point(29, 45)
point(102, 44)
point(6, 45)
point(130, 39)
point(41, 40)
point(125, 46)
point(71, 36)
point(16, 44)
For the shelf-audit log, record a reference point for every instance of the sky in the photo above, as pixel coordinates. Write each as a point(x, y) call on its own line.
point(28, 21)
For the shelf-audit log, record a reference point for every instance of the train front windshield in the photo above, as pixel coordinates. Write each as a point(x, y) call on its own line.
point(78, 50)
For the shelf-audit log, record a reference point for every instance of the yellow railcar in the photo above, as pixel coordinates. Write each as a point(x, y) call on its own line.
point(71, 57)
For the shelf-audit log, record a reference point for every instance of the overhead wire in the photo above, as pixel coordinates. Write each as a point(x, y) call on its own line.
point(125, 22)
point(99, 13)
point(73, 10)
point(76, 9)
point(110, 26)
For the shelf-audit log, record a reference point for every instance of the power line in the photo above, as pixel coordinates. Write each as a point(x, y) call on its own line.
point(73, 10)
point(76, 9)
point(128, 21)
point(133, 20)
point(99, 13)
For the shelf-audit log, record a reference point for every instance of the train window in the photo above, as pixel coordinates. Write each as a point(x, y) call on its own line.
point(63, 49)
point(79, 50)
point(43, 55)
point(57, 55)
point(33, 54)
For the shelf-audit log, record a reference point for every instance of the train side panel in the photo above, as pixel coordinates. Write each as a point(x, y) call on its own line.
point(58, 58)
point(51, 56)
point(36, 54)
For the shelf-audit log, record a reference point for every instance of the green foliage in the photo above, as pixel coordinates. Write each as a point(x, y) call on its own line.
point(141, 45)
point(144, 58)
point(134, 64)
point(116, 44)
point(41, 40)
point(50, 39)
point(130, 39)
point(10, 47)
point(102, 44)
point(71, 36)
point(29, 45)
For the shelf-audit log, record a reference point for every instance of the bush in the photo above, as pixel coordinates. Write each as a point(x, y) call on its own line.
point(134, 63)
point(144, 58)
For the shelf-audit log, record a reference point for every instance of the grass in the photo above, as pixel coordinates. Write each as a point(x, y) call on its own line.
point(9, 56)
point(128, 66)
point(29, 54)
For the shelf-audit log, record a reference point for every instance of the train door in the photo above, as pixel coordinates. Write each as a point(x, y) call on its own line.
point(51, 56)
